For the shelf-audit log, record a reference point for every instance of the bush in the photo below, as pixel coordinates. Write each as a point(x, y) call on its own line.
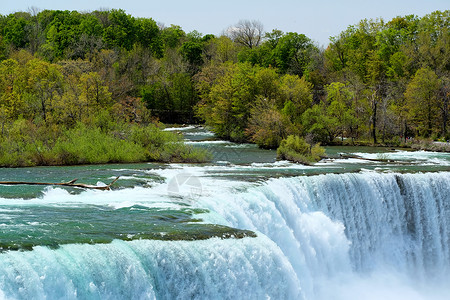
point(296, 149)
point(83, 145)
point(26, 144)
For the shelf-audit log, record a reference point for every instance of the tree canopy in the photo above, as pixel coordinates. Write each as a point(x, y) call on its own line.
point(376, 81)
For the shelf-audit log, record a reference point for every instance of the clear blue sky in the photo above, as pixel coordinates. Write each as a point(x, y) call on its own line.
point(316, 19)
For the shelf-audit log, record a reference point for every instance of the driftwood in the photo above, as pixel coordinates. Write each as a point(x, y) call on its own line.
point(375, 159)
point(364, 158)
point(69, 183)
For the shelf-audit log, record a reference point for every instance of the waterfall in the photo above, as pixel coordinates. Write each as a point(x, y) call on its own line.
point(351, 226)
point(343, 236)
point(213, 269)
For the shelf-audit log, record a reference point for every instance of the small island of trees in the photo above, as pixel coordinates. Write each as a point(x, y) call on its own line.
point(94, 87)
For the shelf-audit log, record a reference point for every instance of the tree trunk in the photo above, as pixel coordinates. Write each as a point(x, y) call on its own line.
point(69, 183)
point(405, 131)
point(374, 117)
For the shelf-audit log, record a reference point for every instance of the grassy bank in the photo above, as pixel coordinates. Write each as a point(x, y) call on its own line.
point(24, 144)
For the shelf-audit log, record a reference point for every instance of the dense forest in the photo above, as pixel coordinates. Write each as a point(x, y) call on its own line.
point(109, 75)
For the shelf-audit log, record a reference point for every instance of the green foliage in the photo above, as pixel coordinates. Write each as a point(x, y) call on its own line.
point(318, 124)
point(166, 146)
point(82, 145)
point(172, 36)
point(26, 144)
point(296, 96)
point(341, 109)
point(267, 126)
point(296, 149)
point(226, 105)
point(172, 99)
point(292, 53)
point(149, 35)
point(376, 79)
point(422, 100)
point(14, 30)
point(121, 32)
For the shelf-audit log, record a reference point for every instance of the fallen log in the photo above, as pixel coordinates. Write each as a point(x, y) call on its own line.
point(346, 156)
point(69, 183)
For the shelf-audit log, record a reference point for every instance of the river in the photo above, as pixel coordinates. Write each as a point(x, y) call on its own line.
point(242, 227)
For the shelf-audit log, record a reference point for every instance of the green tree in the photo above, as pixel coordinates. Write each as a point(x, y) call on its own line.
point(62, 33)
point(296, 96)
point(45, 81)
point(267, 126)
point(121, 33)
point(172, 36)
point(422, 100)
point(226, 104)
point(11, 86)
point(93, 90)
point(149, 36)
point(15, 30)
point(296, 149)
point(221, 50)
point(318, 125)
point(292, 53)
point(341, 109)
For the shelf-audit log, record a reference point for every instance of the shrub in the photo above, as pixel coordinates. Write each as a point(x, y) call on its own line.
point(296, 149)
point(26, 144)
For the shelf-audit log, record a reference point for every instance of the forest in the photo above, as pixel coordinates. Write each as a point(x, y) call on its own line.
point(95, 87)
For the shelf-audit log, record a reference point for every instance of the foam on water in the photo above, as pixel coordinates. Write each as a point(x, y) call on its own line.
point(416, 157)
point(190, 127)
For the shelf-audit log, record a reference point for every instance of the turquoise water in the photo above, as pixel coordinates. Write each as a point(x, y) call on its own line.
point(242, 227)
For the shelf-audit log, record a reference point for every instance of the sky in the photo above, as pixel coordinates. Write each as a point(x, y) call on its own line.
point(317, 19)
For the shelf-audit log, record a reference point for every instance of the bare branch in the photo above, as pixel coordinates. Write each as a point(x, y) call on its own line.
point(247, 33)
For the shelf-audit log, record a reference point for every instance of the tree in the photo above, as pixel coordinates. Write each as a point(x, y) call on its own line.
point(62, 33)
point(11, 85)
point(341, 109)
point(70, 107)
point(149, 36)
point(225, 105)
point(192, 53)
point(318, 124)
point(121, 33)
point(247, 33)
point(296, 96)
point(36, 36)
point(45, 82)
point(434, 41)
point(90, 39)
point(296, 149)
point(221, 50)
point(422, 100)
point(94, 92)
point(292, 53)
point(14, 31)
point(172, 36)
point(266, 126)
point(444, 95)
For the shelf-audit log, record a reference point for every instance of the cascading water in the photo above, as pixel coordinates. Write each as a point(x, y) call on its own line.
point(353, 225)
point(363, 235)
point(213, 269)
